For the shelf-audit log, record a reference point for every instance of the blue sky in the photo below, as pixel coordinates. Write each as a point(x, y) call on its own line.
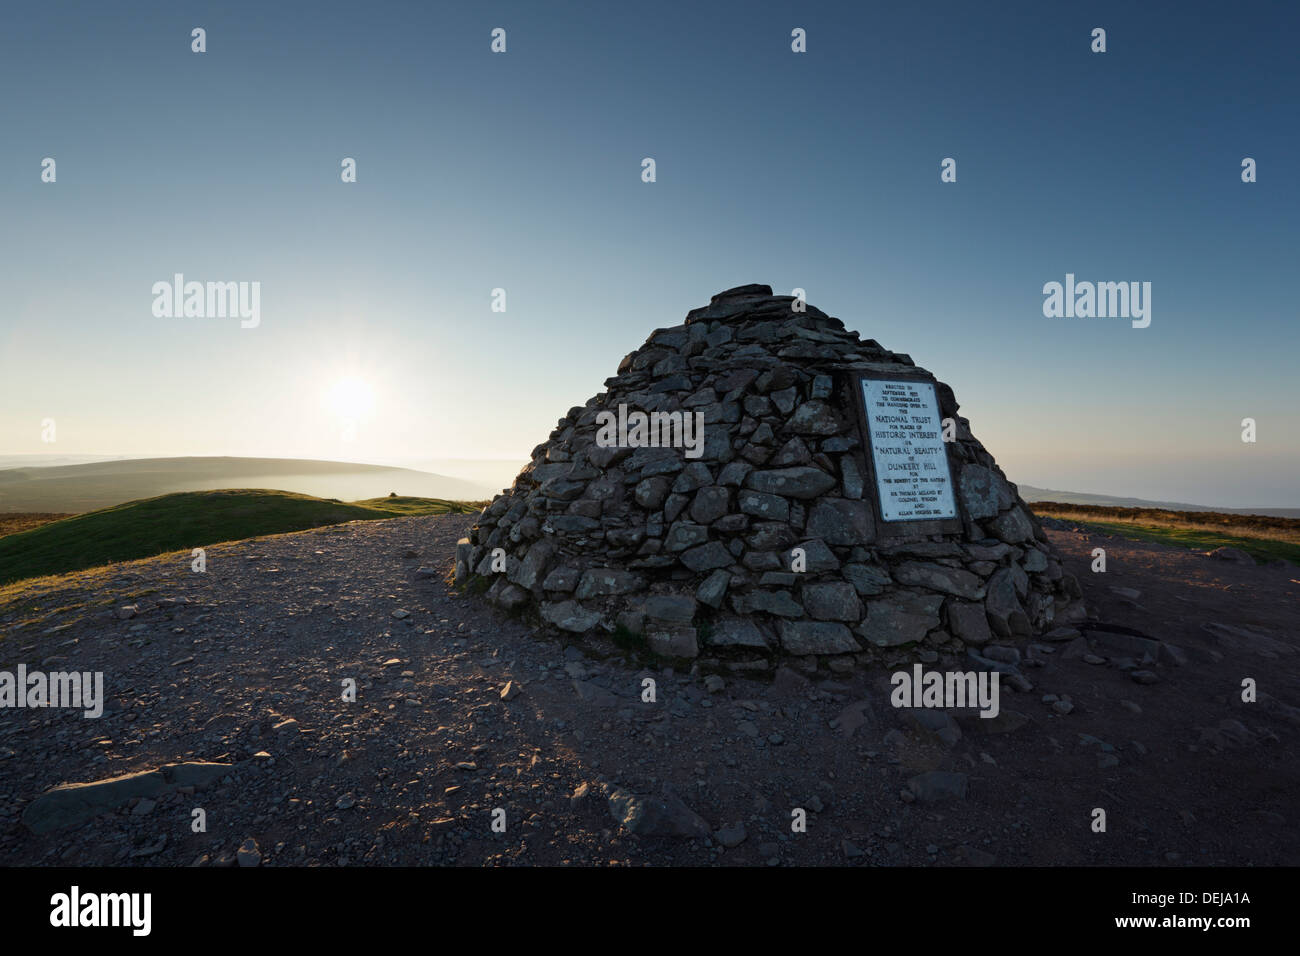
point(522, 171)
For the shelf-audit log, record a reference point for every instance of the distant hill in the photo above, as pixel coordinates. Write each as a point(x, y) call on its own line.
point(1032, 494)
point(184, 521)
point(93, 485)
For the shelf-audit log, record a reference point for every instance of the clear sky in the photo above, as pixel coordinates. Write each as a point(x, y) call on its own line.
point(522, 171)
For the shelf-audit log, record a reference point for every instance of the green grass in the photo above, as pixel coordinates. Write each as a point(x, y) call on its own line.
point(1198, 539)
point(180, 522)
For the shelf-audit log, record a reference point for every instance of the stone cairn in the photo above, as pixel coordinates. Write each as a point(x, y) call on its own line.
point(694, 557)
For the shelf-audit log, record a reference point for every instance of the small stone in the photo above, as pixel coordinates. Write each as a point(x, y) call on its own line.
point(664, 816)
point(934, 786)
point(731, 836)
point(1235, 555)
point(1144, 677)
point(249, 854)
point(511, 690)
point(714, 588)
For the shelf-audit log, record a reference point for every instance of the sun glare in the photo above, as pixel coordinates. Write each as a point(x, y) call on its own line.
point(350, 398)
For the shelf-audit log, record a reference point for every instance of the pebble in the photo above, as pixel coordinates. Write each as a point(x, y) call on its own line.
point(249, 854)
point(731, 836)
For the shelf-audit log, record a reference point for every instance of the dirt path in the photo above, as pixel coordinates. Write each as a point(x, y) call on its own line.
point(250, 672)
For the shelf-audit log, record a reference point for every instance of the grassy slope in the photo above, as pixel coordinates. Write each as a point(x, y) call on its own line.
point(1264, 538)
point(13, 522)
point(176, 522)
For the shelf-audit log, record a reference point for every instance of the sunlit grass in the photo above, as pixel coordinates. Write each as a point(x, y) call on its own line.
point(1263, 546)
point(187, 520)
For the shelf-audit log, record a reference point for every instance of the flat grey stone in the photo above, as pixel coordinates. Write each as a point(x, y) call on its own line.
point(569, 616)
point(73, 803)
point(603, 582)
point(662, 816)
point(840, 521)
point(671, 608)
point(798, 482)
point(816, 637)
point(938, 577)
point(900, 618)
point(728, 631)
point(832, 601)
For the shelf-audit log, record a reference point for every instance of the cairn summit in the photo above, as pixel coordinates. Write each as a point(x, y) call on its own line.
point(760, 483)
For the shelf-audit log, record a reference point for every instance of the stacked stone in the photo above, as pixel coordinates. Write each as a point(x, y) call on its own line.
point(696, 556)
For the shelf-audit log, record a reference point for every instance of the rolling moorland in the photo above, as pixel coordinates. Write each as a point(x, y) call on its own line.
point(34, 544)
point(93, 485)
point(187, 520)
point(1263, 537)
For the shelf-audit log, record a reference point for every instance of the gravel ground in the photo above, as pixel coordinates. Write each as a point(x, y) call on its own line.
point(246, 665)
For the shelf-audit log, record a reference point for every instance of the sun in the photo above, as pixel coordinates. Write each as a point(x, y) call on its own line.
point(350, 398)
